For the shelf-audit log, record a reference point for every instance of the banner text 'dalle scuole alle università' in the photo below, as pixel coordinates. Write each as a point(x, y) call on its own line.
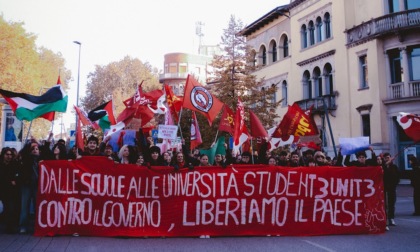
point(96, 197)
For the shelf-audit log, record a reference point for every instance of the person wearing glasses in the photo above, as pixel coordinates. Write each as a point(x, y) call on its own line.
point(319, 159)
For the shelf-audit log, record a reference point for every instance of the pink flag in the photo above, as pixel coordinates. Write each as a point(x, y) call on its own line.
point(195, 132)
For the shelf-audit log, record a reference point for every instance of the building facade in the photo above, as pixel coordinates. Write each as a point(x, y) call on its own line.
point(177, 66)
point(355, 61)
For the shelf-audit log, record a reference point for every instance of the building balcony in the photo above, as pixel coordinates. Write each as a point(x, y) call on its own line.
point(179, 76)
point(397, 92)
point(381, 26)
point(318, 104)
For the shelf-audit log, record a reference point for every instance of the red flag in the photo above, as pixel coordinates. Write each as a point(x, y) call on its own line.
point(227, 122)
point(151, 103)
point(79, 136)
point(296, 122)
point(199, 99)
point(195, 133)
point(135, 100)
point(51, 115)
point(240, 134)
point(83, 118)
point(257, 129)
point(410, 124)
point(174, 102)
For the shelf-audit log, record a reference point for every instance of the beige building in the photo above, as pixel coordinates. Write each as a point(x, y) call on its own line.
point(177, 66)
point(357, 61)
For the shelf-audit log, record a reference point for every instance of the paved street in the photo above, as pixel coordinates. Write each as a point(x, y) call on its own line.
point(404, 236)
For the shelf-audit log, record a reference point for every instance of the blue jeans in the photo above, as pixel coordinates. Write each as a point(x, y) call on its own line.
point(28, 194)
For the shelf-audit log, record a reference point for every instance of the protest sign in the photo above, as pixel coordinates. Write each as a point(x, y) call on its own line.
point(167, 131)
point(94, 196)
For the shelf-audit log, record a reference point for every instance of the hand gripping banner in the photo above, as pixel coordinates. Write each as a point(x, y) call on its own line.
point(94, 196)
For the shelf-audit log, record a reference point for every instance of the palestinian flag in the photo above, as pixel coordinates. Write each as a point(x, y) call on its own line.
point(28, 107)
point(103, 115)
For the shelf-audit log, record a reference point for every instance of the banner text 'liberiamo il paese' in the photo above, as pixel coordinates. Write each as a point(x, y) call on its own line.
point(96, 197)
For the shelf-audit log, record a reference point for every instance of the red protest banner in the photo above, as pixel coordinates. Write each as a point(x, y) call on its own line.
point(94, 196)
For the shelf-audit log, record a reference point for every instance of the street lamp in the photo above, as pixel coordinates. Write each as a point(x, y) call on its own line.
point(78, 73)
point(77, 94)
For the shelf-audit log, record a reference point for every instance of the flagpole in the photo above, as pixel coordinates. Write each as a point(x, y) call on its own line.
point(179, 122)
point(217, 133)
point(252, 151)
point(77, 94)
point(27, 134)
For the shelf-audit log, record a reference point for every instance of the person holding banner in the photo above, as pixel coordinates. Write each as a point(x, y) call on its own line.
point(140, 160)
point(283, 160)
point(109, 153)
point(167, 158)
point(272, 161)
point(361, 159)
point(127, 155)
point(92, 147)
point(319, 159)
point(218, 160)
point(155, 159)
point(204, 160)
point(58, 152)
point(294, 159)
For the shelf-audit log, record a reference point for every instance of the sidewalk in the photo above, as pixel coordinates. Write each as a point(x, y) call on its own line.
point(404, 188)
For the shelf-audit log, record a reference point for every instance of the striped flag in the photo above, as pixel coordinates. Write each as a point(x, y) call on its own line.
point(103, 115)
point(28, 107)
point(50, 116)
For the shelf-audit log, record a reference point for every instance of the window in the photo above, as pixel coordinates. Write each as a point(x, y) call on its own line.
point(274, 95)
point(307, 85)
point(412, 4)
point(394, 6)
point(274, 51)
point(327, 23)
point(366, 125)
point(329, 83)
point(319, 31)
point(317, 82)
point(364, 81)
point(173, 68)
point(254, 59)
point(264, 56)
point(181, 89)
point(396, 67)
point(311, 29)
point(182, 68)
point(285, 47)
point(304, 36)
point(414, 63)
point(284, 93)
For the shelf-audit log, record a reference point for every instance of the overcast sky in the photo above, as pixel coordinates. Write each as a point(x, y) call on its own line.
point(110, 30)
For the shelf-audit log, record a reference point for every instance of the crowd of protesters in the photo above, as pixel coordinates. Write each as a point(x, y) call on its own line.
point(19, 170)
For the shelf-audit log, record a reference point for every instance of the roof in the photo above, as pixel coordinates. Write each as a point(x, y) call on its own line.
point(266, 19)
